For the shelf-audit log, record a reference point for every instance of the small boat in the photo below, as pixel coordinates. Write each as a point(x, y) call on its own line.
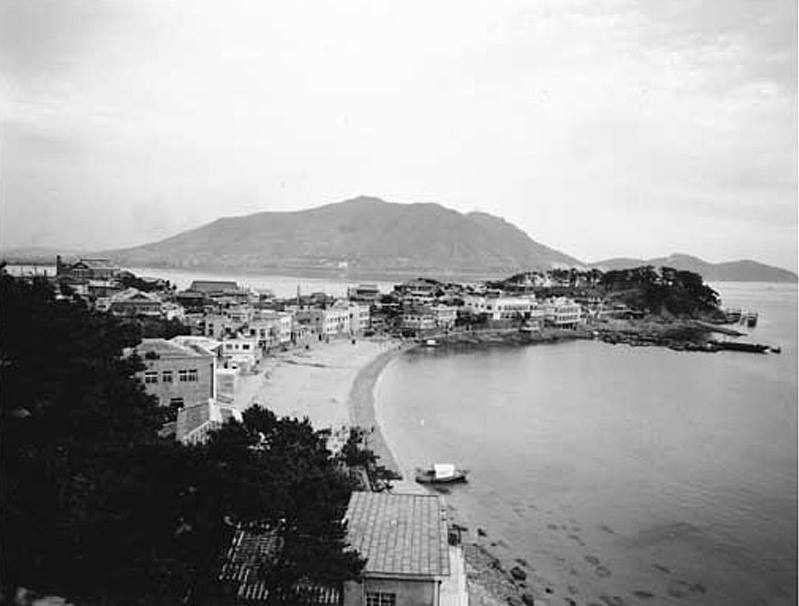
point(441, 473)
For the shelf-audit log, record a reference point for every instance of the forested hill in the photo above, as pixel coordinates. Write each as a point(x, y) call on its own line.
point(731, 271)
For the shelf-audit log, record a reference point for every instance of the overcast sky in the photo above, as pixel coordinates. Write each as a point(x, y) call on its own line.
point(601, 127)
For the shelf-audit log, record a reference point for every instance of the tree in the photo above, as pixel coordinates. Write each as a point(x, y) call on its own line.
point(97, 507)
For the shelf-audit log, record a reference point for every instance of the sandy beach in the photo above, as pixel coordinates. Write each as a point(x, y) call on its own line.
point(330, 383)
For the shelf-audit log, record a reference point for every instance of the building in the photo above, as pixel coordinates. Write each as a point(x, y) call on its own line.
point(327, 323)
point(214, 288)
point(86, 269)
point(197, 421)
point(419, 319)
point(178, 375)
point(360, 318)
point(241, 352)
point(562, 312)
point(218, 325)
point(270, 328)
point(445, 316)
point(133, 302)
point(365, 293)
point(253, 549)
point(500, 307)
point(404, 540)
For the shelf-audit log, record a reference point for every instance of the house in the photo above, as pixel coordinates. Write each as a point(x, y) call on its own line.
point(241, 352)
point(365, 293)
point(218, 325)
point(359, 317)
point(445, 316)
point(499, 307)
point(328, 323)
point(86, 269)
point(195, 422)
point(254, 550)
point(562, 312)
point(418, 319)
point(404, 540)
point(270, 327)
point(133, 302)
point(178, 375)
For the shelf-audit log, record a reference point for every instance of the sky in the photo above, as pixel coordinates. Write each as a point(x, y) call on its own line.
point(602, 128)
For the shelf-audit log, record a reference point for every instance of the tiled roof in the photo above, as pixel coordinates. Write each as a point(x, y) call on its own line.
point(134, 293)
point(248, 551)
point(399, 534)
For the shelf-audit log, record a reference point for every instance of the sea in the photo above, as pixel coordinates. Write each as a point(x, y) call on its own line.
point(619, 475)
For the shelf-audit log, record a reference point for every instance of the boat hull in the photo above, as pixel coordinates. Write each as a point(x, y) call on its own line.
point(428, 477)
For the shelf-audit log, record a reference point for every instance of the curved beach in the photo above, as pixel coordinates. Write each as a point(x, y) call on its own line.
point(361, 405)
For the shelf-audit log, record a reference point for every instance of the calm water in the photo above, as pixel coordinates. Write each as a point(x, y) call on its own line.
point(616, 470)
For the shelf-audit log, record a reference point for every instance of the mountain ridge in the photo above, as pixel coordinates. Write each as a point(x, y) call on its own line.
point(359, 234)
point(741, 270)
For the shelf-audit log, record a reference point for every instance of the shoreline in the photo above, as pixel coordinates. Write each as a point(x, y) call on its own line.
point(361, 405)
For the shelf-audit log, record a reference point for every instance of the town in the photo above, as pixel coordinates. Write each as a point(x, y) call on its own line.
point(202, 344)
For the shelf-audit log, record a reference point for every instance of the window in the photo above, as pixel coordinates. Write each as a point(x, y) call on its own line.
point(166, 376)
point(193, 375)
point(151, 376)
point(245, 346)
point(176, 402)
point(183, 376)
point(380, 598)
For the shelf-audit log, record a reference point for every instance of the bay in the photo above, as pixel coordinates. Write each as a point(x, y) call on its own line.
point(641, 473)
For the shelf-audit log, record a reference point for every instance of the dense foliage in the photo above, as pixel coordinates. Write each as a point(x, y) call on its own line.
point(97, 507)
point(670, 291)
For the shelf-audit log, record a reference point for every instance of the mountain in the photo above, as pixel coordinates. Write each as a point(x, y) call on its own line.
point(730, 271)
point(360, 236)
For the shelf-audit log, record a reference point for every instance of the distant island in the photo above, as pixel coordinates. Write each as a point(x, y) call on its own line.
point(368, 238)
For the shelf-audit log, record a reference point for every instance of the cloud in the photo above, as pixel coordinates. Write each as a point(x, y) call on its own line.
point(569, 118)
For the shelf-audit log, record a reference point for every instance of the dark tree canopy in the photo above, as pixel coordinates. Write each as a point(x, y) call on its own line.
point(98, 508)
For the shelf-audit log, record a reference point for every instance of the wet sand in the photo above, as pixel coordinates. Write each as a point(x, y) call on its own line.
point(361, 404)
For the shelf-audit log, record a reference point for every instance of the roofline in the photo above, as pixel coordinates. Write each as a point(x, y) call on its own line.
point(406, 576)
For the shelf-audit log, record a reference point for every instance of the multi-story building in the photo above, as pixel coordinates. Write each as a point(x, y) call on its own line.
point(366, 293)
point(500, 307)
point(178, 375)
point(359, 317)
point(86, 269)
point(270, 328)
point(241, 352)
point(445, 316)
point(562, 312)
point(134, 302)
point(419, 319)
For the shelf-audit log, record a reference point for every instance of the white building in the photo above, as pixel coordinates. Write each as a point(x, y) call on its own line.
point(562, 312)
point(445, 316)
point(270, 328)
point(500, 307)
point(241, 352)
point(360, 319)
